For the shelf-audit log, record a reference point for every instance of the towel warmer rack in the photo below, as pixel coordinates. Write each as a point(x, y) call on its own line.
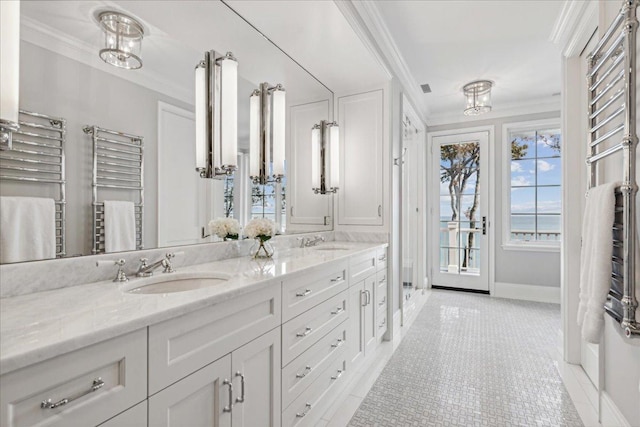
point(38, 156)
point(118, 164)
point(611, 81)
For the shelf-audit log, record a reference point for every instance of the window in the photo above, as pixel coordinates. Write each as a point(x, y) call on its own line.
point(533, 198)
point(264, 203)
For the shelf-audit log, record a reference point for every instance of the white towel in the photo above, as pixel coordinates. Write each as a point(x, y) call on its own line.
point(595, 260)
point(27, 229)
point(119, 226)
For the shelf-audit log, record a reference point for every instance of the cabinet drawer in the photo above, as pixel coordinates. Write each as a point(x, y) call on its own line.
point(98, 382)
point(381, 259)
point(301, 293)
point(136, 416)
point(301, 372)
point(361, 266)
point(381, 288)
point(306, 409)
point(180, 346)
point(300, 333)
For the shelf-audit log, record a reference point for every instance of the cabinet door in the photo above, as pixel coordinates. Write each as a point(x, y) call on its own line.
point(198, 400)
point(305, 207)
point(361, 159)
point(356, 317)
point(369, 319)
point(256, 383)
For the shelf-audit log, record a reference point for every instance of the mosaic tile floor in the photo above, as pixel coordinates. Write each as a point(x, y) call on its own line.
point(473, 360)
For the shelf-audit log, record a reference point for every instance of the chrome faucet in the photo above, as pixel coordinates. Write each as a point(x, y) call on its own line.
point(146, 270)
point(306, 242)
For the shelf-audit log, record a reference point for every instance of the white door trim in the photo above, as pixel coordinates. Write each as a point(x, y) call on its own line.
point(490, 129)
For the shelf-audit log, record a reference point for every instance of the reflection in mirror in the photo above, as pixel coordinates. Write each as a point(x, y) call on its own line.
point(62, 76)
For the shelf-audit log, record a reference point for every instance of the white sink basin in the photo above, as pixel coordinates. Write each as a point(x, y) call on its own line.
point(164, 283)
point(331, 248)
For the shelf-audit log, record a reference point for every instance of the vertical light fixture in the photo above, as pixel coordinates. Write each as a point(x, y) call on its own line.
point(122, 40)
point(216, 115)
point(478, 96)
point(10, 70)
point(267, 107)
point(325, 157)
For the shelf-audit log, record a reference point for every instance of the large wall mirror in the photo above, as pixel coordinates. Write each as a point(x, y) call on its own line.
point(62, 76)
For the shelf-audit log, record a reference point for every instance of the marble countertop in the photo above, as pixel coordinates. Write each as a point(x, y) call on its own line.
point(42, 325)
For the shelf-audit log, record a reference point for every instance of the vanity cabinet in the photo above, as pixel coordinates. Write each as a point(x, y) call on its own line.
point(240, 389)
point(361, 159)
point(83, 388)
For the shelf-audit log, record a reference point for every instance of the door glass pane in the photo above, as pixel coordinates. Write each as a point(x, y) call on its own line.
point(460, 213)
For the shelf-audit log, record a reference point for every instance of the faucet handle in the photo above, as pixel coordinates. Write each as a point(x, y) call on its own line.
point(120, 275)
point(144, 262)
point(166, 263)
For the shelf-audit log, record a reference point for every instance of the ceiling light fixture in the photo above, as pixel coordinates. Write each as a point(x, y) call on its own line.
point(478, 95)
point(122, 40)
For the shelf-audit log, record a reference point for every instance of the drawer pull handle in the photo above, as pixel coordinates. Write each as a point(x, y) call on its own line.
point(384, 279)
point(48, 404)
point(338, 343)
point(241, 398)
point(304, 373)
point(384, 300)
point(307, 408)
point(228, 408)
point(305, 293)
point(338, 375)
point(384, 321)
point(382, 258)
point(306, 332)
point(337, 279)
point(338, 310)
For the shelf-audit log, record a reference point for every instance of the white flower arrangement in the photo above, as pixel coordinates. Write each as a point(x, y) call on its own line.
point(261, 228)
point(225, 228)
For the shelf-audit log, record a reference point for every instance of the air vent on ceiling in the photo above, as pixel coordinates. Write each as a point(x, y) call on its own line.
point(426, 88)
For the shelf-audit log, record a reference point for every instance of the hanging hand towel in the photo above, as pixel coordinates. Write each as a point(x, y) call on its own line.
point(595, 259)
point(27, 229)
point(119, 226)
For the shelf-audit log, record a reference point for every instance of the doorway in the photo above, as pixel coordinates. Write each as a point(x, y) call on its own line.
point(459, 191)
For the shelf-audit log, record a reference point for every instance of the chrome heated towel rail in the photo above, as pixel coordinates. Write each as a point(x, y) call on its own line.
point(612, 80)
point(38, 156)
point(118, 165)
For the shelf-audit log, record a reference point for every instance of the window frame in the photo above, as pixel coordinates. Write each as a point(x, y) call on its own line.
point(507, 242)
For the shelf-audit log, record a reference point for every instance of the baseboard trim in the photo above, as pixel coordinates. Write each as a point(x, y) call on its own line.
point(527, 292)
point(611, 415)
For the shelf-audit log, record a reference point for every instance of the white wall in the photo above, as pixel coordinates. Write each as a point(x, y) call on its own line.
point(513, 266)
point(56, 85)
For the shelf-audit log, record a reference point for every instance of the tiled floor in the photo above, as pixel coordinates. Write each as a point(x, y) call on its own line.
point(473, 360)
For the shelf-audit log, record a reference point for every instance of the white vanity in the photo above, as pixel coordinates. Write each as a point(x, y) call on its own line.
point(271, 345)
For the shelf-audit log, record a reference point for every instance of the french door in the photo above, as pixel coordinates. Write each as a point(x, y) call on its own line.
point(459, 217)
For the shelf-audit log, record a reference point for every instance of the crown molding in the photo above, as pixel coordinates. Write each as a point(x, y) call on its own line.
point(574, 26)
point(509, 110)
point(366, 20)
point(46, 37)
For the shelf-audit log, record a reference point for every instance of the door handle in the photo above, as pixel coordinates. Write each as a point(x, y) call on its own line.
point(484, 225)
point(241, 398)
point(228, 408)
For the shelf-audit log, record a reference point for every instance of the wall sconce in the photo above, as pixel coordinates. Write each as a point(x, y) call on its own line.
point(122, 40)
point(216, 115)
point(478, 95)
point(325, 157)
point(267, 134)
point(10, 70)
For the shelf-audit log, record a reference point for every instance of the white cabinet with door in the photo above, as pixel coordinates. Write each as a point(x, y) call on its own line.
point(305, 207)
point(361, 193)
point(240, 389)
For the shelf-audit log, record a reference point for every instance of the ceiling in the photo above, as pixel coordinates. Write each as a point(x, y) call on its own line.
point(450, 43)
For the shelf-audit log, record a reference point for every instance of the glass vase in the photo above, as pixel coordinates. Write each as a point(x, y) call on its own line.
point(261, 249)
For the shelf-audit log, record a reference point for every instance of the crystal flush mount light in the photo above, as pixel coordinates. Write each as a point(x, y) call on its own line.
point(478, 95)
point(122, 40)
